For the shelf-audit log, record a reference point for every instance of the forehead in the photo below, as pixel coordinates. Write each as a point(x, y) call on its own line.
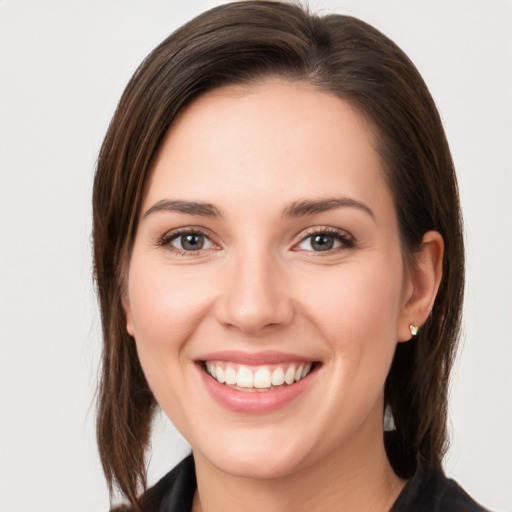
point(286, 138)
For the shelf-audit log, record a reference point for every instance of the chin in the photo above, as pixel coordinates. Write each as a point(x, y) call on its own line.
point(257, 459)
point(258, 468)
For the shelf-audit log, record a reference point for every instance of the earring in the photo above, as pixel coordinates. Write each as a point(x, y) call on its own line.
point(414, 329)
point(389, 421)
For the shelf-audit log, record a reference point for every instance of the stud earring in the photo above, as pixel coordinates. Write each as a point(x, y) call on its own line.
point(414, 329)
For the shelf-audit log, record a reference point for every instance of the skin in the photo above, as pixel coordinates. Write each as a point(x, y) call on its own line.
point(259, 283)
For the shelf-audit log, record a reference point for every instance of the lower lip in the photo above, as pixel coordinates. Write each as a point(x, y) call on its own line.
point(254, 402)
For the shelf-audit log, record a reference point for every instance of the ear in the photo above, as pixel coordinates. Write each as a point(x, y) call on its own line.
point(125, 300)
point(422, 283)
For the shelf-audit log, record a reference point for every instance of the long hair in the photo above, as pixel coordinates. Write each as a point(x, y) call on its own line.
point(243, 43)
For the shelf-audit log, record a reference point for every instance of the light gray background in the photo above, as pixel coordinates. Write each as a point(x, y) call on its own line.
point(63, 66)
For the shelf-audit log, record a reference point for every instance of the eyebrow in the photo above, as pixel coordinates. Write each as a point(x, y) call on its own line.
point(306, 207)
point(299, 208)
point(190, 207)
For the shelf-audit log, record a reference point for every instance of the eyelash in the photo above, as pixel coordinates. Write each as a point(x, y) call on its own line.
point(345, 239)
point(166, 241)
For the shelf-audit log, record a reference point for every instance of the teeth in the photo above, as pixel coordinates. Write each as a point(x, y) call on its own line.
point(289, 376)
point(278, 376)
point(261, 378)
point(244, 378)
point(230, 375)
point(219, 373)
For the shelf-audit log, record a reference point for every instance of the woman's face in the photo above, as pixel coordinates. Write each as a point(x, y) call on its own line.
point(267, 255)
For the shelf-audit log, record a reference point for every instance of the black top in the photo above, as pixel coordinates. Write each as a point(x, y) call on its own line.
point(427, 491)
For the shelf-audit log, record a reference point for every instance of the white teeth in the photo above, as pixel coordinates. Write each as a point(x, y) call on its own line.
point(230, 376)
point(219, 374)
point(278, 376)
point(262, 378)
point(307, 369)
point(289, 376)
point(244, 378)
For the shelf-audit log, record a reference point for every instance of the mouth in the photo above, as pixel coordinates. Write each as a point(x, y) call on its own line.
point(258, 378)
point(257, 383)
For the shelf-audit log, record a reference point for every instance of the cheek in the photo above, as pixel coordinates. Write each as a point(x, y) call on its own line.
point(164, 304)
point(358, 312)
point(354, 300)
point(166, 308)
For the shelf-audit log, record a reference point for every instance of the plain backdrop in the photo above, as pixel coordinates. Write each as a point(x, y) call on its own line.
point(63, 66)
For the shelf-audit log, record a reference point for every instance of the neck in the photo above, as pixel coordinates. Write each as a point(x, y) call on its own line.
point(356, 478)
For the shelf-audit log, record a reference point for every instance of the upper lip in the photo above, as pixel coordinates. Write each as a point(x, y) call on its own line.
point(254, 358)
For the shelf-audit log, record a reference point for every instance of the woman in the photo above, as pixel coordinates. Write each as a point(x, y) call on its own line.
point(279, 260)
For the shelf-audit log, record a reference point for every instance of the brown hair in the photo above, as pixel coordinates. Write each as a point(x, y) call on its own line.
point(241, 43)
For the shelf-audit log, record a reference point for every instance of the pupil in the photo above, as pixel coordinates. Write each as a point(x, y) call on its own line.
point(192, 242)
point(322, 242)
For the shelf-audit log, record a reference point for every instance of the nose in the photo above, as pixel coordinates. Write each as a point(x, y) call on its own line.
point(255, 297)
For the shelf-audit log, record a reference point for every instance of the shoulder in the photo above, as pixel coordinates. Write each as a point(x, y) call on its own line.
point(174, 492)
point(429, 490)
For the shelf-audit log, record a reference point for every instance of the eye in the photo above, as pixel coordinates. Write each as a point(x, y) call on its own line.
point(191, 242)
point(186, 242)
point(325, 240)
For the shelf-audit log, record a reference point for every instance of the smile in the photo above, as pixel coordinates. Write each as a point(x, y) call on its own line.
point(256, 383)
point(257, 378)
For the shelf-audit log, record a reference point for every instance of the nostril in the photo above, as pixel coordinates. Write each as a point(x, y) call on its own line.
point(253, 318)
